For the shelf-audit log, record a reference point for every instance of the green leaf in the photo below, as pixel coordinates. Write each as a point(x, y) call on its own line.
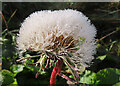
point(101, 57)
point(7, 77)
point(16, 68)
point(31, 67)
point(117, 84)
point(118, 52)
point(118, 28)
point(108, 76)
point(14, 83)
point(1, 78)
point(112, 45)
point(88, 77)
point(98, 45)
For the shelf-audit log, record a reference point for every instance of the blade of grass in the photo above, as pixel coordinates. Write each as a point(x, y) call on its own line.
point(117, 29)
point(4, 20)
point(11, 16)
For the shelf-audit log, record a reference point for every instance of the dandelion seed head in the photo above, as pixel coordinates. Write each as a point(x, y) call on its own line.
point(60, 29)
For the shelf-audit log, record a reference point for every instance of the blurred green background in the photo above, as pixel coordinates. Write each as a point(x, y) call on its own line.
point(106, 18)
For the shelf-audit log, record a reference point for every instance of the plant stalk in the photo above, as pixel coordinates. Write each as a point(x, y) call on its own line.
point(55, 72)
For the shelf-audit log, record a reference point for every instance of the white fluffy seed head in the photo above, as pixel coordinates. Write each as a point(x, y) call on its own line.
point(40, 30)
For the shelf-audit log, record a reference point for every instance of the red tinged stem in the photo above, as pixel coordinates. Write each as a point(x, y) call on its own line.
point(55, 72)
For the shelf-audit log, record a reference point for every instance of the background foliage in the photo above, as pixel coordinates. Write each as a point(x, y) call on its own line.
point(106, 66)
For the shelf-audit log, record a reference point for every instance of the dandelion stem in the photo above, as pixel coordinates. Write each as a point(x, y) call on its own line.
point(55, 72)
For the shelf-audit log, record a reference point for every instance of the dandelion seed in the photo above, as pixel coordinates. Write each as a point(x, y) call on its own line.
point(59, 32)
